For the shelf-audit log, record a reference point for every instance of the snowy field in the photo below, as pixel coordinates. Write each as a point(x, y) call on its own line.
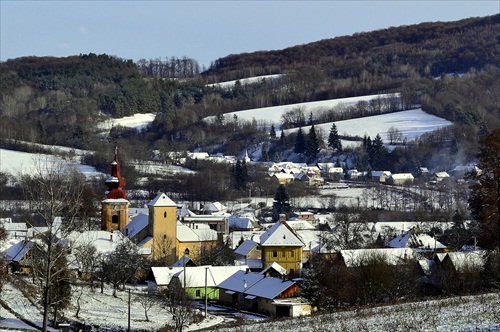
point(467, 313)
point(243, 81)
point(15, 162)
point(464, 314)
point(411, 124)
point(273, 114)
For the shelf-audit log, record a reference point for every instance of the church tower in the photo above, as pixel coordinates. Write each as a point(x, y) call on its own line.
point(163, 225)
point(115, 207)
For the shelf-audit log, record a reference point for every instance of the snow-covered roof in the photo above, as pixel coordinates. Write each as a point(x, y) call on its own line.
point(393, 256)
point(16, 251)
point(214, 207)
point(300, 224)
point(245, 247)
point(186, 234)
point(251, 263)
point(269, 287)
point(441, 175)
point(184, 260)
point(280, 234)
point(103, 241)
point(240, 281)
point(236, 236)
point(240, 222)
point(162, 200)
point(137, 224)
point(276, 267)
point(195, 275)
point(412, 240)
point(255, 284)
point(401, 176)
point(468, 261)
point(163, 275)
point(380, 173)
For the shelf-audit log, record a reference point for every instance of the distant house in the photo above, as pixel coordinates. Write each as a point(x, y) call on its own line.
point(195, 278)
point(283, 178)
point(393, 256)
point(400, 179)
point(440, 176)
point(281, 244)
point(416, 240)
point(16, 256)
point(267, 295)
point(330, 172)
point(352, 174)
point(248, 249)
point(241, 224)
point(218, 223)
point(380, 176)
point(459, 172)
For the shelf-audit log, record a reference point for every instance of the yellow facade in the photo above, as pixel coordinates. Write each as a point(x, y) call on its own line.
point(162, 227)
point(289, 257)
point(114, 214)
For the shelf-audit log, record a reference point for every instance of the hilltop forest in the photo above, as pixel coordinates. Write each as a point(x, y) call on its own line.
point(450, 69)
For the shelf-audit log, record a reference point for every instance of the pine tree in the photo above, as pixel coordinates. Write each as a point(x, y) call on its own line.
point(264, 153)
point(300, 142)
point(334, 139)
point(272, 133)
point(312, 143)
point(281, 203)
point(377, 152)
point(240, 173)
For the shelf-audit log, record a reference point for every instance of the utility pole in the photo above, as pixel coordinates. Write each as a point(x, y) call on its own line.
point(128, 329)
point(206, 298)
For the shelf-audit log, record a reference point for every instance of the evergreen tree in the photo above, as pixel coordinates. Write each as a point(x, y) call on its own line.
point(264, 153)
point(300, 142)
point(484, 201)
point(377, 152)
point(312, 143)
point(240, 173)
point(281, 204)
point(272, 133)
point(334, 139)
point(337, 163)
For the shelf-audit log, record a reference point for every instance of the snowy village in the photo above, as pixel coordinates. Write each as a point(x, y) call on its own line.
point(349, 184)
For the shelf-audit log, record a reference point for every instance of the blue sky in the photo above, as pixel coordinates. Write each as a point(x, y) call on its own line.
point(203, 30)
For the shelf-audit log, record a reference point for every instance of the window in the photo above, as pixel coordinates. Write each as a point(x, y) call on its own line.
point(165, 214)
point(292, 271)
point(198, 293)
point(275, 253)
point(292, 253)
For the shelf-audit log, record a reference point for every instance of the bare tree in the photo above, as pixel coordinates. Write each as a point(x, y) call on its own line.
point(349, 231)
point(54, 193)
point(147, 301)
point(395, 135)
point(178, 302)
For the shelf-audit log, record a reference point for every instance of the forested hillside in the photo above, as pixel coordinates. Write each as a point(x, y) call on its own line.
point(449, 68)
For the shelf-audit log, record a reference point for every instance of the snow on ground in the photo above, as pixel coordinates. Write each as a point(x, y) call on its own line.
point(137, 121)
point(243, 81)
point(106, 311)
point(273, 114)
point(411, 124)
point(467, 313)
point(15, 162)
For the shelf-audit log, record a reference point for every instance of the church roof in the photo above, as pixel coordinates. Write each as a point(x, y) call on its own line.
point(162, 200)
point(280, 234)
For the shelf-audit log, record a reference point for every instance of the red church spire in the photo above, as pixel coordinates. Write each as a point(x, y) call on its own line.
point(115, 182)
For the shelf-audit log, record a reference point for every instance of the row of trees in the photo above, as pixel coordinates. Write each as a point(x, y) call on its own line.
point(330, 284)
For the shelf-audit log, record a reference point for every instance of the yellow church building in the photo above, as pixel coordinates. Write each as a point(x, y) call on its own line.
point(282, 245)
